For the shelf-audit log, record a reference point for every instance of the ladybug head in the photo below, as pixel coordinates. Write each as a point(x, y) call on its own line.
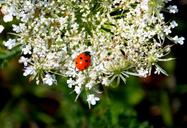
point(87, 53)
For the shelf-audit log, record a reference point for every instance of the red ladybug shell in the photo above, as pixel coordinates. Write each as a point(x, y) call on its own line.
point(83, 61)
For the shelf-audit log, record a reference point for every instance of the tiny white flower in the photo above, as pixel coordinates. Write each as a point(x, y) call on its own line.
point(24, 60)
point(70, 82)
point(49, 79)
point(74, 27)
point(161, 16)
point(29, 71)
point(71, 72)
point(8, 18)
point(77, 90)
point(173, 9)
point(173, 24)
point(89, 85)
point(93, 75)
point(24, 17)
point(167, 30)
point(19, 28)
point(62, 20)
point(10, 43)
point(28, 6)
point(26, 50)
point(1, 28)
point(144, 5)
point(81, 79)
point(16, 28)
point(143, 72)
point(91, 99)
point(179, 40)
point(105, 81)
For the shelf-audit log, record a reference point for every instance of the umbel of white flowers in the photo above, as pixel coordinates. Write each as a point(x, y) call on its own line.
point(123, 38)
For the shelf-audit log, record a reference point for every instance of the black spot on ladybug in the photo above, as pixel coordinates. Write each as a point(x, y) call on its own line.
point(76, 63)
point(85, 67)
point(86, 60)
point(81, 58)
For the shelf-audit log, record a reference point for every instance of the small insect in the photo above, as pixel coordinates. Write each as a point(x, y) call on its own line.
point(123, 53)
point(83, 61)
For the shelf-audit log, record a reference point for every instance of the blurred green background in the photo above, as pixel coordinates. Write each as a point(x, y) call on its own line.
point(154, 102)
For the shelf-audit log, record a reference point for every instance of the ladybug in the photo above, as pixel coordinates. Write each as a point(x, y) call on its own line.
point(83, 61)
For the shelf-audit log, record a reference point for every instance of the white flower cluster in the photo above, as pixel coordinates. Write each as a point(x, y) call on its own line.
point(123, 37)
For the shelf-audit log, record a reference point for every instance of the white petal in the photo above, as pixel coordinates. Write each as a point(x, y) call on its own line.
point(1, 28)
point(8, 18)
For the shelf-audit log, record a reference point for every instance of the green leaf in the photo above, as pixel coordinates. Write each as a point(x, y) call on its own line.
point(10, 54)
point(166, 109)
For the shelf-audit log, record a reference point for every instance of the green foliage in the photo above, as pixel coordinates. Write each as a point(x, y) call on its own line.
point(32, 105)
point(43, 106)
